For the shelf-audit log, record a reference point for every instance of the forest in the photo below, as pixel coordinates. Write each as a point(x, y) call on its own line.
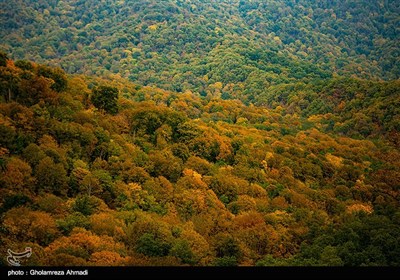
point(200, 132)
point(108, 172)
point(203, 45)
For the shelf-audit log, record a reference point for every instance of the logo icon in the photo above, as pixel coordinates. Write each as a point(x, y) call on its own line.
point(13, 258)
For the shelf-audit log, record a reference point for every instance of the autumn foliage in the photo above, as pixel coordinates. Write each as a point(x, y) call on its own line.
point(164, 178)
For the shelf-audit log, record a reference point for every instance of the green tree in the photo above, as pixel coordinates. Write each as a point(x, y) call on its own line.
point(3, 59)
point(182, 250)
point(76, 219)
point(105, 98)
point(56, 74)
point(151, 245)
point(9, 83)
point(227, 246)
point(85, 205)
point(24, 65)
point(329, 257)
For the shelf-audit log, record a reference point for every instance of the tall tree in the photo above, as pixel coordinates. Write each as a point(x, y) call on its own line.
point(3, 59)
point(105, 98)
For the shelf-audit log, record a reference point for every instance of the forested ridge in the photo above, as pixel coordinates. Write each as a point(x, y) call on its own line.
point(202, 45)
point(100, 171)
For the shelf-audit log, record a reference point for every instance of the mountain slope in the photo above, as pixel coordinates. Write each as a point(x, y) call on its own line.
point(200, 132)
point(165, 178)
point(192, 45)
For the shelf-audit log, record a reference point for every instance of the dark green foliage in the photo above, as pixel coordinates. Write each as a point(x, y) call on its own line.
point(16, 200)
point(153, 246)
point(181, 151)
point(77, 219)
point(84, 205)
point(269, 260)
point(7, 136)
point(362, 240)
point(355, 104)
point(56, 74)
point(24, 65)
point(227, 246)
point(147, 119)
point(274, 191)
point(180, 46)
point(105, 98)
point(3, 58)
point(165, 164)
point(182, 250)
point(9, 84)
point(226, 261)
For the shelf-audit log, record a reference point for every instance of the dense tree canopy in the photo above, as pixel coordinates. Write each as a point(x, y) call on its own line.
point(228, 48)
point(201, 132)
point(105, 98)
point(309, 175)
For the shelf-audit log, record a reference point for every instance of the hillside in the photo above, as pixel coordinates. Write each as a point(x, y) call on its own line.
point(201, 46)
point(97, 171)
point(200, 132)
